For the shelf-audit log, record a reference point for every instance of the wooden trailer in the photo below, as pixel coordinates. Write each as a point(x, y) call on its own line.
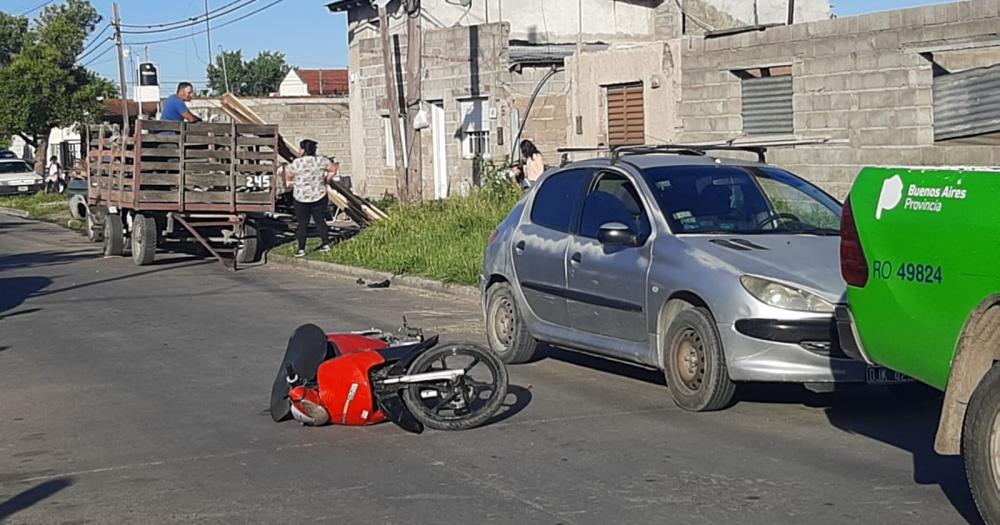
point(181, 182)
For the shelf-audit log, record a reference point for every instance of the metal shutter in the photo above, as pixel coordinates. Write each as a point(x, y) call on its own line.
point(967, 103)
point(626, 124)
point(767, 105)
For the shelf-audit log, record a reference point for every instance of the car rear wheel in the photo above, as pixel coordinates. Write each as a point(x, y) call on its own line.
point(505, 329)
point(981, 446)
point(695, 366)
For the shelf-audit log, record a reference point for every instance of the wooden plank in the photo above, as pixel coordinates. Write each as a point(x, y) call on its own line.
point(255, 141)
point(259, 197)
point(254, 168)
point(257, 155)
point(208, 197)
point(157, 138)
point(197, 179)
point(157, 196)
point(159, 125)
point(165, 179)
point(208, 154)
point(204, 128)
point(205, 167)
point(257, 129)
point(147, 167)
point(203, 139)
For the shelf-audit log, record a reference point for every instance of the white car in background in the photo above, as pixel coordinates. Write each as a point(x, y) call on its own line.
point(18, 177)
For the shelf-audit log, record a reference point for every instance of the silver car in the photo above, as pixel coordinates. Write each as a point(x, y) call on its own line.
point(713, 270)
point(18, 177)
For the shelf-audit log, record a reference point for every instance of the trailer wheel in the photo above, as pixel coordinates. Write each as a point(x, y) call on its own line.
point(114, 235)
point(143, 239)
point(95, 225)
point(248, 250)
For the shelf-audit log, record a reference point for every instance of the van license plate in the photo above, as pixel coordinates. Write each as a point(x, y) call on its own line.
point(22, 188)
point(883, 376)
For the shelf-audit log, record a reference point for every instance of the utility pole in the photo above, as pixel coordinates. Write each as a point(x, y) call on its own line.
point(126, 129)
point(414, 67)
point(391, 94)
point(208, 33)
point(136, 84)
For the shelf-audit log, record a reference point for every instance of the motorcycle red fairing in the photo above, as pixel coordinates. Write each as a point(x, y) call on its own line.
point(367, 377)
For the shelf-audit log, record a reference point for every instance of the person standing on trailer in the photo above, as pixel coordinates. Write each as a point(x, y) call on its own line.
point(308, 175)
point(175, 108)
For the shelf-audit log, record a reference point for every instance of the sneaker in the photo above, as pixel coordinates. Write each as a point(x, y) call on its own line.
point(300, 253)
point(325, 248)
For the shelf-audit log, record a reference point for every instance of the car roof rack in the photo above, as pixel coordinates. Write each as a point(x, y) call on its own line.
point(688, 149)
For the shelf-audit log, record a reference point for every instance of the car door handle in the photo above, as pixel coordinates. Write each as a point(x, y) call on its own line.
point(519, 247)
point(576, 257)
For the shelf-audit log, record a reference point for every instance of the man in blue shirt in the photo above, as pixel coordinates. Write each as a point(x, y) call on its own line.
point(175, 108)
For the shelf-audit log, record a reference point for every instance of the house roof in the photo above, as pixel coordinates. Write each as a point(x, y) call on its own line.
point(321, 82)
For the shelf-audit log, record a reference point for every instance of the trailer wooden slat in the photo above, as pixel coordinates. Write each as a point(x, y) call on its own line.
point(148, 167)
point(254, 168)
point(204, 128)
point(205, 168)
point(162, 179)
point(198, 179)
point(155, 138)
point(159, 125)
point(257, 129)
point(252, 197)
point(257, 155)
point(157, 196)
point(205, 139)
point(254, 141)
point(208, 154)
point(215, 197)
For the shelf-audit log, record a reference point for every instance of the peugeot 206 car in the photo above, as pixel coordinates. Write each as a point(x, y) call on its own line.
point(715, 271)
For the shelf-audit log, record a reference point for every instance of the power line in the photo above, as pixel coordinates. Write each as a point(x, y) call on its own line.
point(94, 41)
point(37, 7)
point(224, 24)
point(197, 21)
point(185, 21)
point(92, 50)
point(91, 61)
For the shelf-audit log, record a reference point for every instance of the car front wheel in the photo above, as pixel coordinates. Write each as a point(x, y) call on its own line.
point(981, 446)
point(505, 329)
point(695, 366)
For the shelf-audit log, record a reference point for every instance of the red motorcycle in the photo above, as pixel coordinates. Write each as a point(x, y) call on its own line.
point(362, 378)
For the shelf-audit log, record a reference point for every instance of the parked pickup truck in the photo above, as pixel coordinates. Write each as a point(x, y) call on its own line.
point(919, 251)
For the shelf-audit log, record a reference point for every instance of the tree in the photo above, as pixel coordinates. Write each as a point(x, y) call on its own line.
point(42, 85)
point(258, 77)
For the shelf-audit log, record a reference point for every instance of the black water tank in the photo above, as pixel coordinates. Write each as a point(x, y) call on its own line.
point(148, 75)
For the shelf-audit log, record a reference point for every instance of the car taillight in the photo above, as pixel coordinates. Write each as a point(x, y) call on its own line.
point(853, 264)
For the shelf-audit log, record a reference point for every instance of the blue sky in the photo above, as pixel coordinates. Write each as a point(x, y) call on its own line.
point(308, 34)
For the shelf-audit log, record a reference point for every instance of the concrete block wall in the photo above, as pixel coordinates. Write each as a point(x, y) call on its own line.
point(854, 83)
point(325, 120)
point(458, 63)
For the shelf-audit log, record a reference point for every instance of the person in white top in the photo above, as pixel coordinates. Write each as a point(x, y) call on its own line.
point(52, 181)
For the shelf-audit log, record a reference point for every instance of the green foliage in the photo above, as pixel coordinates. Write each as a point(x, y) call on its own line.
point(38, 205)
point(258, 77)
point(443, 240)
point(42, 86)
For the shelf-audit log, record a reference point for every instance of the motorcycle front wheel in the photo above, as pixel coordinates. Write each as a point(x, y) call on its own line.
point(468, 401)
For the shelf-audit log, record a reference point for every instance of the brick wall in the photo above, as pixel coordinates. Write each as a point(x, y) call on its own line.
point(855, 82)
point(459, 63)
point(325, 120)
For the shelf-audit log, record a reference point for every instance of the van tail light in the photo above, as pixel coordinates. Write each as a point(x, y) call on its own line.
point(853, 264)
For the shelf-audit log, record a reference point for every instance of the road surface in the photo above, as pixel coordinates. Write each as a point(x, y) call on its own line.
point(138, 395)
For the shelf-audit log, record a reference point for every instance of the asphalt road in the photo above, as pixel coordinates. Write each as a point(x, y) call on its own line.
point(138, 395)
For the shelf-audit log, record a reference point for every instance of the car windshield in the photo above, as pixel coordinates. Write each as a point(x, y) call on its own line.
point(14, 167)
point(741, 200)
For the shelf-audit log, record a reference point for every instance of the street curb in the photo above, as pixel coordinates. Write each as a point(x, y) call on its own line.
point(17, 213)
point(404, 281)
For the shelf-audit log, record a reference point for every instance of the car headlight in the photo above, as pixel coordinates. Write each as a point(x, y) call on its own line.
point(783, 296)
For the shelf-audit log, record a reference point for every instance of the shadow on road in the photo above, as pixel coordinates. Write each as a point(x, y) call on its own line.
point(510, 407)
point(17, 289)
point(46, 258)
point(604, 365)
point(194, 262)
point(32, 496)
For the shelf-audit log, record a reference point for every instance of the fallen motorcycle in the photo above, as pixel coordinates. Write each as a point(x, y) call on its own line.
point(362, 378)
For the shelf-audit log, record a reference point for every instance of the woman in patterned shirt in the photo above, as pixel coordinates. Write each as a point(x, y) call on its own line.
point(308, 176)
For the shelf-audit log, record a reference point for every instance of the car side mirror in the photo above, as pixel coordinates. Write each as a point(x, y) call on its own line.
point(616, 233)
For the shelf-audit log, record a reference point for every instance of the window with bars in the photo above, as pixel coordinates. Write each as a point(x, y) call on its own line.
point(475, 128)
point(626, 115)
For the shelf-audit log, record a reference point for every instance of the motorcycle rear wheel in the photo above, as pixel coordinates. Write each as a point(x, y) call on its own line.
point(469, 401)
